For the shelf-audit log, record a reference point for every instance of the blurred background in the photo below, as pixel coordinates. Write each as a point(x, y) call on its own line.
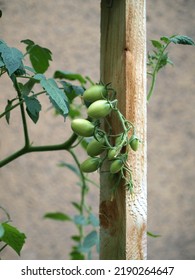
point(33, 184)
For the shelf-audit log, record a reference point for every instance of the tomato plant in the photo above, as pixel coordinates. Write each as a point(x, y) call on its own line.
point(100, 101)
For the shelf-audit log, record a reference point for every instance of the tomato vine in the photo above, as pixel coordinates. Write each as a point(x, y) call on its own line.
point(99, 101)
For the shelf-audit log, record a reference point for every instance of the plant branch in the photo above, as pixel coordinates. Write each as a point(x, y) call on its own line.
point(84, 188)
point(19, 103)
point(155, 71)
point(29, 149)
point(25, 127)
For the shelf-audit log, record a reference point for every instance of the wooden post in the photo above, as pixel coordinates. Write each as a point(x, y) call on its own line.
point(123, 63)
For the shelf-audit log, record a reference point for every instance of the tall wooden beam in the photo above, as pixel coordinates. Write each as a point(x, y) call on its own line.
point(123, 63)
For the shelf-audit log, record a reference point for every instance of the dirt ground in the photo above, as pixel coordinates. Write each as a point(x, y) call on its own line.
point(34, 184)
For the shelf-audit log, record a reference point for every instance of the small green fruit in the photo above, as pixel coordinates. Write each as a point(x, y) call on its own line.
point(95, 148)
point(134, 143)
point(90, 165)
point(99, 109)
point(112, 153)
point(95, 92)
point(82, 127)
point(116, 166)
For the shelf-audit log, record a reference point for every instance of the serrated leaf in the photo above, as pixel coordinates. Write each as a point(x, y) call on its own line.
point(56, 95)
point(165, 39)
point(2, 64)
point(152, 234)
point(12, 58)
point(80, 220)
point(72, 91)
point(156, 44)
point(8, 106)
point(69, 76)
point(2, 231)
point(182, 40)
point(39, 56)
point(70, 166)
point(93, 220)
point(13, 237)
point(90, 240)
point(59, 216)
point(33, 107)
point(28, 42)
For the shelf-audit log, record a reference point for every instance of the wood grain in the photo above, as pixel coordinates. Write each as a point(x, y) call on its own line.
point(123, 63)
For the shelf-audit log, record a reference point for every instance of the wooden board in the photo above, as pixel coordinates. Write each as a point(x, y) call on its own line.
point(123, 63)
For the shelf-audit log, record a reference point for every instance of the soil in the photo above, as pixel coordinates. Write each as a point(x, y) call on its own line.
point(33, 184)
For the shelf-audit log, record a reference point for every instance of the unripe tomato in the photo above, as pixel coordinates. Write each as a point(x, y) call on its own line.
point(116, 166)
point(134, 142)
point(90, 165)
point(95, 148)
point(112, 153)
point(95, 92)
point(99, 109)
point(82, 127)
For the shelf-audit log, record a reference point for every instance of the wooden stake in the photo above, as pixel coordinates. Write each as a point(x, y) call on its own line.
point(123, 63)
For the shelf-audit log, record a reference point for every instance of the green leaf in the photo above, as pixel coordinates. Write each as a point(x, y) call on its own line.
point(77, 206)
point(80, 220)
point(93, 220)
point(8, 106)
point(90, 240)
point(69, 76)
point(2, 231)
point(76, 238)
point(182, 40)
point(57, 216)
point(156, 44)
point(13, 237)
point(12, 58)
point(30, 69)
point(27, 87)
point(39, 56)
point(163, 61)
point(165, 39)
point(152, 234)
point(2, 64)
point(56, 95)
point(72, 91)
point(33, 107)
point(70, 166)
point(75, 255)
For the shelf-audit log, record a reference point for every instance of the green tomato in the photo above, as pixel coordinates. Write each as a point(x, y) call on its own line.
point(112, 153)
point(82, 127)
point(90, 165)
point(116, 166)
point(99, 109)
point(95, 92)
point(134, 143)
point(95, 147)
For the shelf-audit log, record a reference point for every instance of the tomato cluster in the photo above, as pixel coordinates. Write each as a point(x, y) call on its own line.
point(101, 105)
